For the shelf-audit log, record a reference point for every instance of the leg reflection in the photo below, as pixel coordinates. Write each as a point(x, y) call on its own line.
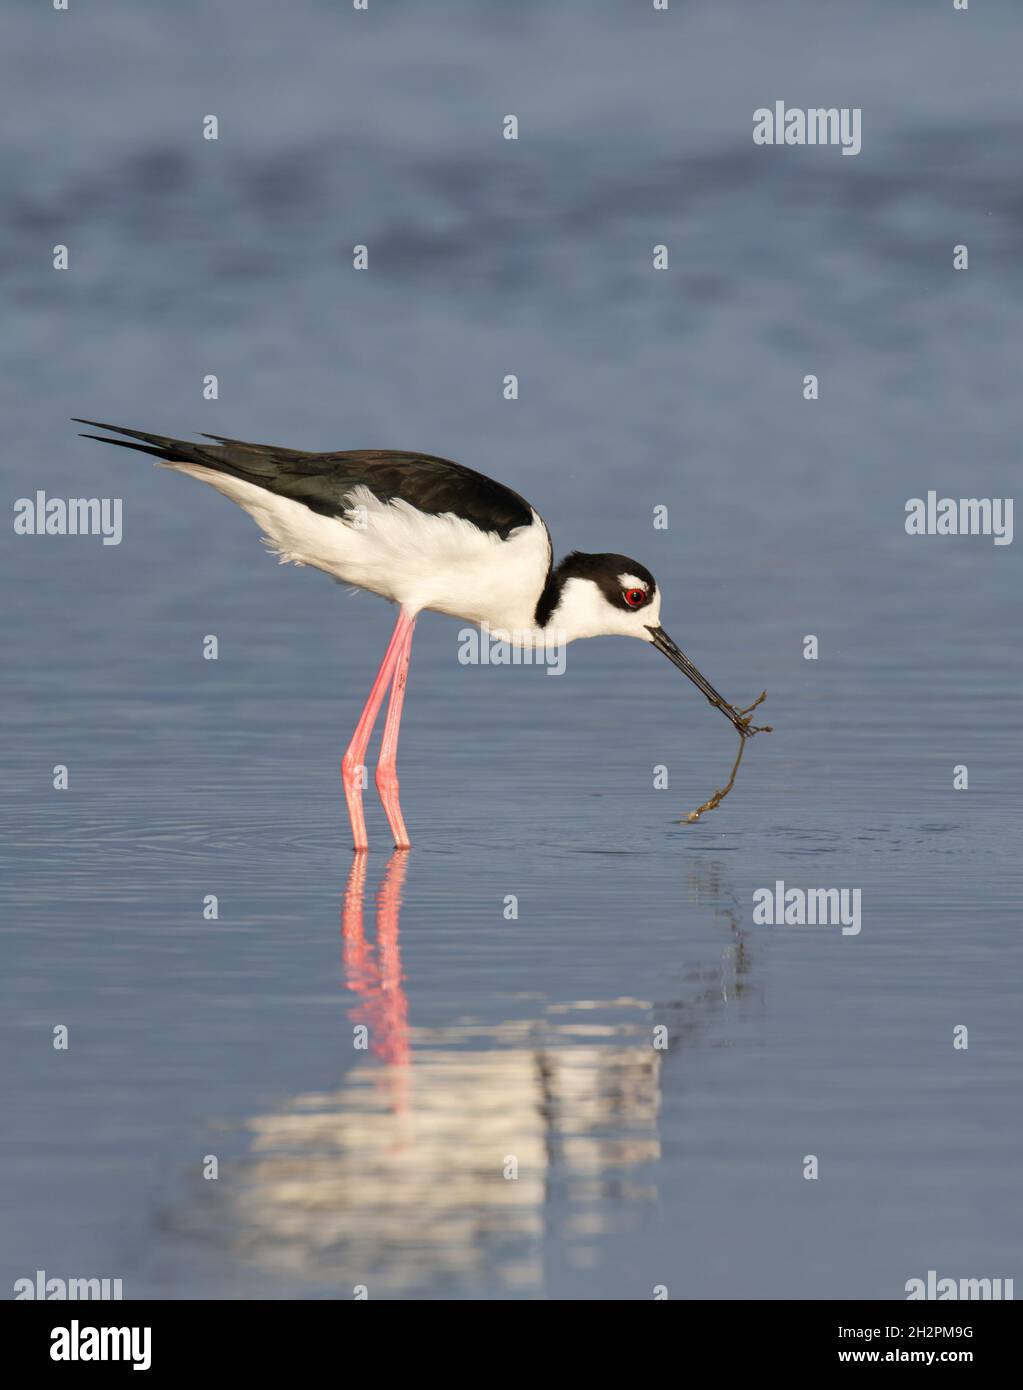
point(372, 971)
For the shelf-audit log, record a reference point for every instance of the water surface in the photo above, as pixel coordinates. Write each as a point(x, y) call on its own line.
point(531, 1037)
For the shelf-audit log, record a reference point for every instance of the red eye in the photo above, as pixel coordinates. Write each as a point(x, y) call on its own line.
point(635, 598)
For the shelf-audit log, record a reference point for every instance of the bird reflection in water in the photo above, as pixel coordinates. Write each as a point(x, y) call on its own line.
point(399, 1178)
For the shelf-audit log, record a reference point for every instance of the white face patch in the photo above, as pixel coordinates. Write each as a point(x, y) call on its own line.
point(584, 611)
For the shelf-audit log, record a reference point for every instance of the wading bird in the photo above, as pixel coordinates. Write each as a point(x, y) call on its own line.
point(425, 533)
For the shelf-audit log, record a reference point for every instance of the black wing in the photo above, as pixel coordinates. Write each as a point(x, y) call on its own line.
point(323, 481)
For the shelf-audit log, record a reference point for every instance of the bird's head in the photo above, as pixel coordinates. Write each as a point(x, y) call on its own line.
point(613, 596)
point(603, 596)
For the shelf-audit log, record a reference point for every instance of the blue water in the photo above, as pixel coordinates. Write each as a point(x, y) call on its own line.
point(532, 1037)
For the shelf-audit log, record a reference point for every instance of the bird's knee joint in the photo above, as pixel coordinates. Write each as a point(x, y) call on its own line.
point(353, 773)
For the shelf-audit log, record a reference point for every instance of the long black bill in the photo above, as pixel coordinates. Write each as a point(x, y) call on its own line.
point(677, 656)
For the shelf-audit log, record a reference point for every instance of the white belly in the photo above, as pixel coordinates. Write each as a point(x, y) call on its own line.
point(389, 548)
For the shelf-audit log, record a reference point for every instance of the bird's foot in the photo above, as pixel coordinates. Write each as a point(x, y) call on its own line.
point(742, 718)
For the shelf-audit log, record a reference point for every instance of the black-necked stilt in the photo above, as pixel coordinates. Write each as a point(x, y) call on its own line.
point(426, 533)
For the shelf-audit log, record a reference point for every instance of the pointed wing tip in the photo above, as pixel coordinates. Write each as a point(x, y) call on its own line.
point(97, 425)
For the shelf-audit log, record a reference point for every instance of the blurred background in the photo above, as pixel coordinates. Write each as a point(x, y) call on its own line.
point(529, 1037)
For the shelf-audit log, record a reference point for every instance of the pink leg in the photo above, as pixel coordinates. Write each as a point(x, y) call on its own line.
point(387, 770)
point(355, 755)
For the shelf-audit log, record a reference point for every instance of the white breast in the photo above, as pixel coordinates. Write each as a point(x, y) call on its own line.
point(441, 563)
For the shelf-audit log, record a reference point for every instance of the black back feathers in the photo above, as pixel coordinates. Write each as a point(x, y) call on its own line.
point(322, 482)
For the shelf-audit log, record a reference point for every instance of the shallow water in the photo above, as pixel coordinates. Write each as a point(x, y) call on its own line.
point(532, 1037)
